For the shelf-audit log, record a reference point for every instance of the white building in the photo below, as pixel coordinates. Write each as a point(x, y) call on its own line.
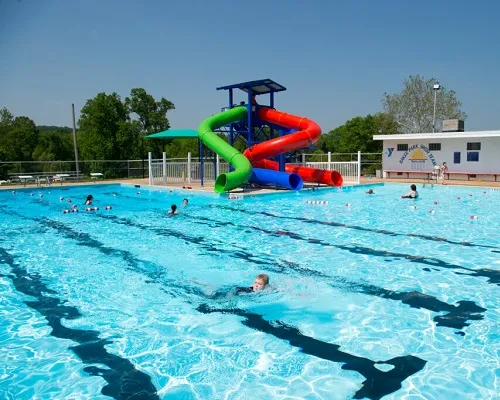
point(469, 155)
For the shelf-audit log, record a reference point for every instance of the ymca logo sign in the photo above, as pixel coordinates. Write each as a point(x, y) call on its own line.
point(389, 151)
point(419, 153)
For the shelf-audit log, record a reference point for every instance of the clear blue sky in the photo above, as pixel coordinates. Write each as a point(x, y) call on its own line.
point(336, 58)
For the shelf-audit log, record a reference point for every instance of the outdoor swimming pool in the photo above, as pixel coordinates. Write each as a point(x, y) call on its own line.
point(372, 300)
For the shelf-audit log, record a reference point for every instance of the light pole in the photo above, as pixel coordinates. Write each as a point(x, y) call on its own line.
point(436, 88)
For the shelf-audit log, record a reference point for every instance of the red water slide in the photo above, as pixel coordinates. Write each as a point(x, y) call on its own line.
point(307, 132)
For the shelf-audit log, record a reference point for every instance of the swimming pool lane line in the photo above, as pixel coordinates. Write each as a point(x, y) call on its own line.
point(313, 221)
point(492, 275)
point(456, 318)
point(356, 227)
point(377, 383)
point(405, 365)
point(326, 223)
point(124, 381)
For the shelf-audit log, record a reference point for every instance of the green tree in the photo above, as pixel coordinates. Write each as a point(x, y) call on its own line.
point(318, 156)
point(152, 116)
point(45, 128)
point(129, 140)
point(54, 145)
point(179, 148)
point(101, 120)
point(107, 130)
point(413, 108)
point(18, 137)
point(6, 117)
point(357, 134)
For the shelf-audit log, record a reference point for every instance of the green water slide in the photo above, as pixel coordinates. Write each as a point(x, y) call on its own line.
point(242, 167)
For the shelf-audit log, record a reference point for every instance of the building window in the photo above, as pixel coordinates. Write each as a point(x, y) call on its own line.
point(402, 147)
point(434, 146)
point(456, 157)
point(473, 156)
point(474, 146)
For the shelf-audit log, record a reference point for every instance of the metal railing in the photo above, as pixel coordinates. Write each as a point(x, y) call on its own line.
point(185, 171)
point(348, 170)
point(370, 162)
point(210, 171)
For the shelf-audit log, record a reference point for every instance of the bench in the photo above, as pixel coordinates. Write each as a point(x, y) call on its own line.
point(472, 174)
point(60, 178)
point(25, 178)
point(21, 179)
point(95, 176)
point(428, 175)
point(40, 178)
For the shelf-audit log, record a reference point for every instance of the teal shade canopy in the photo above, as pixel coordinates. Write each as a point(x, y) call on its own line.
point(174, 134)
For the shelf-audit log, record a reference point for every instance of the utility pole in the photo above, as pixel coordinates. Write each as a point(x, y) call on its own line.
point(74, 142)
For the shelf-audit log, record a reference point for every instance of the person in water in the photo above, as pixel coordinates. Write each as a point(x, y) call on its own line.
point(173, 209)
point(89, 200)
point(185, 203)
point(370, 191)
point(413, 194)
point(261, 282)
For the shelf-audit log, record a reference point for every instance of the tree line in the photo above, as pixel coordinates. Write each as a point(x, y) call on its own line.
point(112, 128)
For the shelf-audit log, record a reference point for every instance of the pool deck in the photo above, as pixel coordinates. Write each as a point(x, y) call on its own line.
point(195, 187)
point(454, 182)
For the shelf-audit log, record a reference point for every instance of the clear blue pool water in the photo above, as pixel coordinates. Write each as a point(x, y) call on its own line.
point(380, 299)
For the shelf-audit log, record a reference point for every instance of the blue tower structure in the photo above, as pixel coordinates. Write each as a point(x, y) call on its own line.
point(267, 136)
point(254, 131)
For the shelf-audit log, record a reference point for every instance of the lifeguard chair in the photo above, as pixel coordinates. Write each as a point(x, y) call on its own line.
point(434, 175)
